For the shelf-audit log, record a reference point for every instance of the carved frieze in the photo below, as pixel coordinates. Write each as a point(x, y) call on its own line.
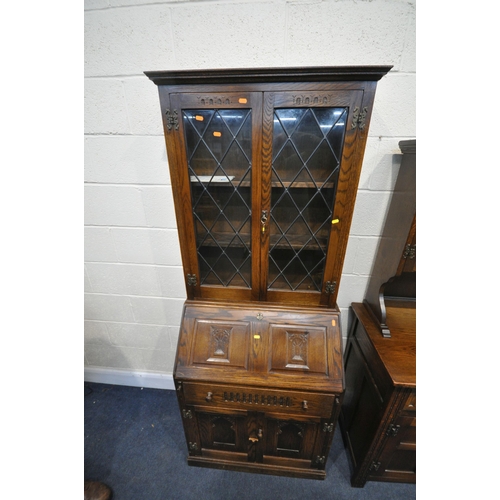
point(311, 99)
point(214, 100)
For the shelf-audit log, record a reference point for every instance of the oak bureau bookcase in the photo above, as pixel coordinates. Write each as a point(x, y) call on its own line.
point(264, 167)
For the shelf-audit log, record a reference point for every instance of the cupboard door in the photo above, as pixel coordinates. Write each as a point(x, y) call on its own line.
point(293, 440)
point(223, 432)
point(218, 139)
point(308, 143)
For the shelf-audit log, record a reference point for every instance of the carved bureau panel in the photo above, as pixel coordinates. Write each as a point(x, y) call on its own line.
point(221, 343)
point(298, 348)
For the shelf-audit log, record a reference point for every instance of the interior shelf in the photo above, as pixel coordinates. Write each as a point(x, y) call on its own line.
point(296, 242)
point(278, 185)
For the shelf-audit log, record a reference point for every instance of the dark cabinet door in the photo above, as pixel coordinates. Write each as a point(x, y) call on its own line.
point(257, 438)
point(223, 432)
point(292, 439)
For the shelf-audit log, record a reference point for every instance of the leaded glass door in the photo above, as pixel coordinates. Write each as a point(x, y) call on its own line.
point(219, 142)
point(308, 159)
point(267, 183)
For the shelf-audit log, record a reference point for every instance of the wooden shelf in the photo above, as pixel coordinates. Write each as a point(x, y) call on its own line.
point(224, 239)
point(296, 242)
point(234, 184)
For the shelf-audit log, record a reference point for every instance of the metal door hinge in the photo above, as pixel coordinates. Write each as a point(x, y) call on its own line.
point(191, 280)
point(320, 460)
point(392, 430)
point(410, 252)
point(330, 287)
point(359, 118)
point(328, 427)
point(193, 446)
point(187, 414)
point(374, 466)
point(172, 119)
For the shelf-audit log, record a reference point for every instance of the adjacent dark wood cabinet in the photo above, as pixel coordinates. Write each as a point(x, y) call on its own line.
point(378, 416)
point(394, 271)
point(264, 166)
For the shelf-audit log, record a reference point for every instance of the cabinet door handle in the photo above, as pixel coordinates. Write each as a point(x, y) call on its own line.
point(304, 405)
point(208, 396)
point(254, 439)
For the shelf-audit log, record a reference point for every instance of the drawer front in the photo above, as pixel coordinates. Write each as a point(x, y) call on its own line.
point(397, 460)
point(410, 405)
point(258, 399)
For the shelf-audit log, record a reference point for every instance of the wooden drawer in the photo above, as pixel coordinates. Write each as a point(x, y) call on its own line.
point(258, 399)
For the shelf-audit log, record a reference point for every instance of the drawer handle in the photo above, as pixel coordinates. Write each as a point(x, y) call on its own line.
point(208, 396)
point(304, 405)
point(392, 430)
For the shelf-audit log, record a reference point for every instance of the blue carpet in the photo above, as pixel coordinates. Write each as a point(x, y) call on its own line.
point(134, 442)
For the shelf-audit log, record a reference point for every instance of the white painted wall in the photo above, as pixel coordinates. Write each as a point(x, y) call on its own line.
point(134, 289)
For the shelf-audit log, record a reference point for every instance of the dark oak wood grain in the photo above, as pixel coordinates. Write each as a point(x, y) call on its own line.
point(378, 416)
point(259, 369)
point(268, 75)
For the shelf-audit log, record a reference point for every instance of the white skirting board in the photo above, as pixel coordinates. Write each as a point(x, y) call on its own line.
point(151, 380)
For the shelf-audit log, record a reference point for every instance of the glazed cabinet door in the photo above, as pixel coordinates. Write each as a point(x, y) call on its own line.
point(264, 186)
point(310, 170)
point(217, 157)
